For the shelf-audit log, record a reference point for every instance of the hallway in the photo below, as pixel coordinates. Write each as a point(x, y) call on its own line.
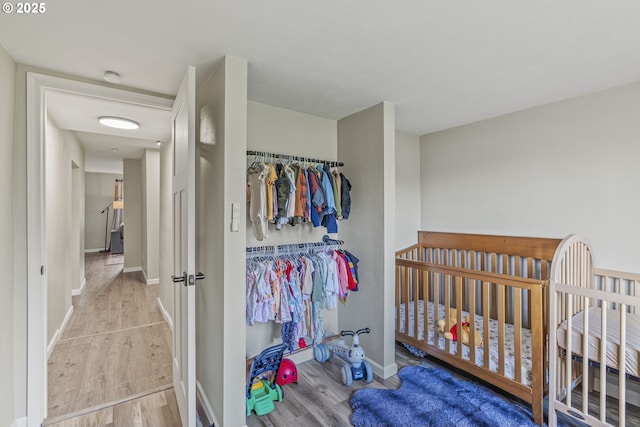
point(113, 364)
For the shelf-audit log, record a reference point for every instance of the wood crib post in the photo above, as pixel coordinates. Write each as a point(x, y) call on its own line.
point(537, 353)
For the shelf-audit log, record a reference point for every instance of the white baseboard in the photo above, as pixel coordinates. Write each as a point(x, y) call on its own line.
point(59, 332)
point(19, 422)
point(88, 251)
point(165, 315)
point(384, 371)
point(155, 281)
point(204, 402)
point(75, 292)
point(131, 269)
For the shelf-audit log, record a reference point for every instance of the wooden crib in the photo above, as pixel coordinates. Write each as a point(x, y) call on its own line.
point(501, 284)
point(604, 306)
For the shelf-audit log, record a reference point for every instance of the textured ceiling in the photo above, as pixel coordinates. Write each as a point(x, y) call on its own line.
point(442, 63)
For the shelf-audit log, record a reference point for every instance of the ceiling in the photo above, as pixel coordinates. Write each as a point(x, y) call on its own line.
point(442, 63)
point(106, 147)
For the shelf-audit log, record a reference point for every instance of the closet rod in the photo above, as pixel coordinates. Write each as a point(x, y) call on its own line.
point(290, 157)
point(326, 241)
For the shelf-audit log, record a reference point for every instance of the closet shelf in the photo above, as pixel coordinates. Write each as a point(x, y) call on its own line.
point(290, 157)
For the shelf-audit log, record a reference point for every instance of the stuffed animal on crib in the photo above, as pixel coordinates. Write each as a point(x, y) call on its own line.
point(452, 334)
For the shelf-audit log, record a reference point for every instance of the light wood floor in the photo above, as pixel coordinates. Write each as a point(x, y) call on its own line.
point(320, 399)
point(116, 350)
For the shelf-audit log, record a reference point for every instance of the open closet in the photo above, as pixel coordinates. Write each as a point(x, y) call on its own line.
point(290, 151)
point(348, 149)
point(229, 126)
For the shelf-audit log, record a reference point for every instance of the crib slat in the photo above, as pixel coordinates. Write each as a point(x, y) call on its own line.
point(458, 288)
point(501, 329)
point(544, 269)
point(586, 381)
point(398, 295)
point(517, 327)
point(416, 290)
point(472, 320)
point(635, 293)
point(447, 308)
point(622, 366)
point(436, 302)
point(603, 358)
point(425, 305)
point(486, 314)
point(538, 339)
point(407, 299)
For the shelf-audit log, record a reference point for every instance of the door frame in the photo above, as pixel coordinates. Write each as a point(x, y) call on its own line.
point(37, 86)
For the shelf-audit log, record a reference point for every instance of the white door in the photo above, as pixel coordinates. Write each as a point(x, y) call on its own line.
point(184, 258)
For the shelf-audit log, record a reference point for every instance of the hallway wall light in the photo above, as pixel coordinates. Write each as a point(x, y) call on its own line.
point(118, 122)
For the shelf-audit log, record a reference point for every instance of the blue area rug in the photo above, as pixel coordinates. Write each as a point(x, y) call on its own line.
point(435, 398)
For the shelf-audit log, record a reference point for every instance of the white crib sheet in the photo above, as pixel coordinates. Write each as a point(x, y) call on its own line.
point(632, 357)
point(493, 341)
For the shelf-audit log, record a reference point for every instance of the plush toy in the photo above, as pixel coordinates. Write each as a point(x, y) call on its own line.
point(452, 334)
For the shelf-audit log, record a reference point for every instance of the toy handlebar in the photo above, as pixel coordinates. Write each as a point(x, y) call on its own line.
point(358, 332)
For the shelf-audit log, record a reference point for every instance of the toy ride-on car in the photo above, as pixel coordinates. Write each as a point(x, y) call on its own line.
point(355, 366)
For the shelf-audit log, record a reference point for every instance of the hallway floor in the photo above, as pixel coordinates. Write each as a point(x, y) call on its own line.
point(113, 364)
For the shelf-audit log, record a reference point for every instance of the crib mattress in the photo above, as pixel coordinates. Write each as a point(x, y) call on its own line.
point(479, 324)
point(632, 356)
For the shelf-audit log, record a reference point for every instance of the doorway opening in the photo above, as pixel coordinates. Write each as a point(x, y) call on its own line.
point(56, 259)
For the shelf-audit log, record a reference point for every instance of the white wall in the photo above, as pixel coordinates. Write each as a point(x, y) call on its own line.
point(277, 130)
point(165, 238)
point(220, 300)
point(366, 144)
point(407, 189)
point(132, 214)
point(7, 99)
point(567, 167)
point(62, 151)
point(150, 163)
point(99, 189)
point(77, 232)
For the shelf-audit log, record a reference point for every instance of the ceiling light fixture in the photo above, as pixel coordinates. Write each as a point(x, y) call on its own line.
point(118, 122)
point(158, 143)
point(112, 77)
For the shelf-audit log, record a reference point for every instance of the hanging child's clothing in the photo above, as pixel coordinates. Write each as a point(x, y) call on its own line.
point(293, 290)
point(256, 177)
point(285, 193)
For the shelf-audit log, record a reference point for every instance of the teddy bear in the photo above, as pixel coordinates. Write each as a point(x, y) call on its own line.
point(452, 334)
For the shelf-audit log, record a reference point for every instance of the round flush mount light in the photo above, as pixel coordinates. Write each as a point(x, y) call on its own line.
point(112, 77)
point(118, 122)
